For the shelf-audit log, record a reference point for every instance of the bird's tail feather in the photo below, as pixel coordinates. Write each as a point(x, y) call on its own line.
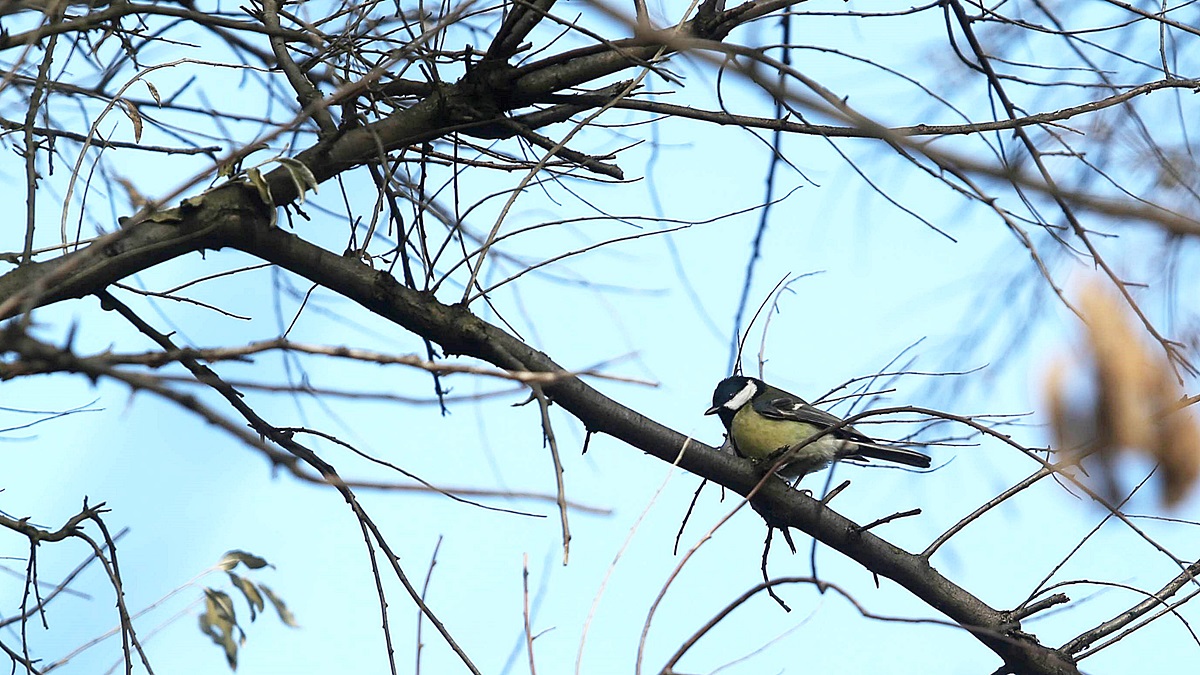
point(890, 453)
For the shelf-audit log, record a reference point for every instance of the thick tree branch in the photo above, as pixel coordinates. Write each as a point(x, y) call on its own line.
point(232, 216)
point(460, 332)
point(524, 16)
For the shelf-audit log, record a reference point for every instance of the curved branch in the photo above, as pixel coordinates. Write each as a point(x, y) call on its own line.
point(116, 11)
point(232, 216)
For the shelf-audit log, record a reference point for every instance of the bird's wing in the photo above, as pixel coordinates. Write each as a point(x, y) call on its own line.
point(795, 409)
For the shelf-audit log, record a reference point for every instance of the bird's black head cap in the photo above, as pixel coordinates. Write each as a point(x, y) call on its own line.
point(736, 390)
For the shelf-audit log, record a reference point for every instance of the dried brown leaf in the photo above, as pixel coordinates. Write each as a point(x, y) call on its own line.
point(1136, 405)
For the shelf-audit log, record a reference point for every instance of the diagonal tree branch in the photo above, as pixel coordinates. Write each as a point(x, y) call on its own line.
point(232, 216)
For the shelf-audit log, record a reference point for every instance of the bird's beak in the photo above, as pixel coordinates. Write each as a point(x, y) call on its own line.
point(713, 410)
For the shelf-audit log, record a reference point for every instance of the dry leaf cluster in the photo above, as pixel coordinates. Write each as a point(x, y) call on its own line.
point(1135, 402)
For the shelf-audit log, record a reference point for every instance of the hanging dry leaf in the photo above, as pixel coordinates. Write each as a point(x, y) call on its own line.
point(1135, 404)
point(131, 111)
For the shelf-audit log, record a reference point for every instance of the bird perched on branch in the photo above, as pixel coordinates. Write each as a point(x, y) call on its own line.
point(765, 422)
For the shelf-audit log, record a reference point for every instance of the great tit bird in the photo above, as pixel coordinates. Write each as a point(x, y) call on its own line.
point(763, 422)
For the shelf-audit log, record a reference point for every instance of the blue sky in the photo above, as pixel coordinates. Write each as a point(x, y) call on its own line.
point(878, 282)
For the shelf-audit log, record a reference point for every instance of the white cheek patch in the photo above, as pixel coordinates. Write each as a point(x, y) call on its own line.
point(742, 397)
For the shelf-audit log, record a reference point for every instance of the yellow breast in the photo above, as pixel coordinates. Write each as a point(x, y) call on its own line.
point(759, 437)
